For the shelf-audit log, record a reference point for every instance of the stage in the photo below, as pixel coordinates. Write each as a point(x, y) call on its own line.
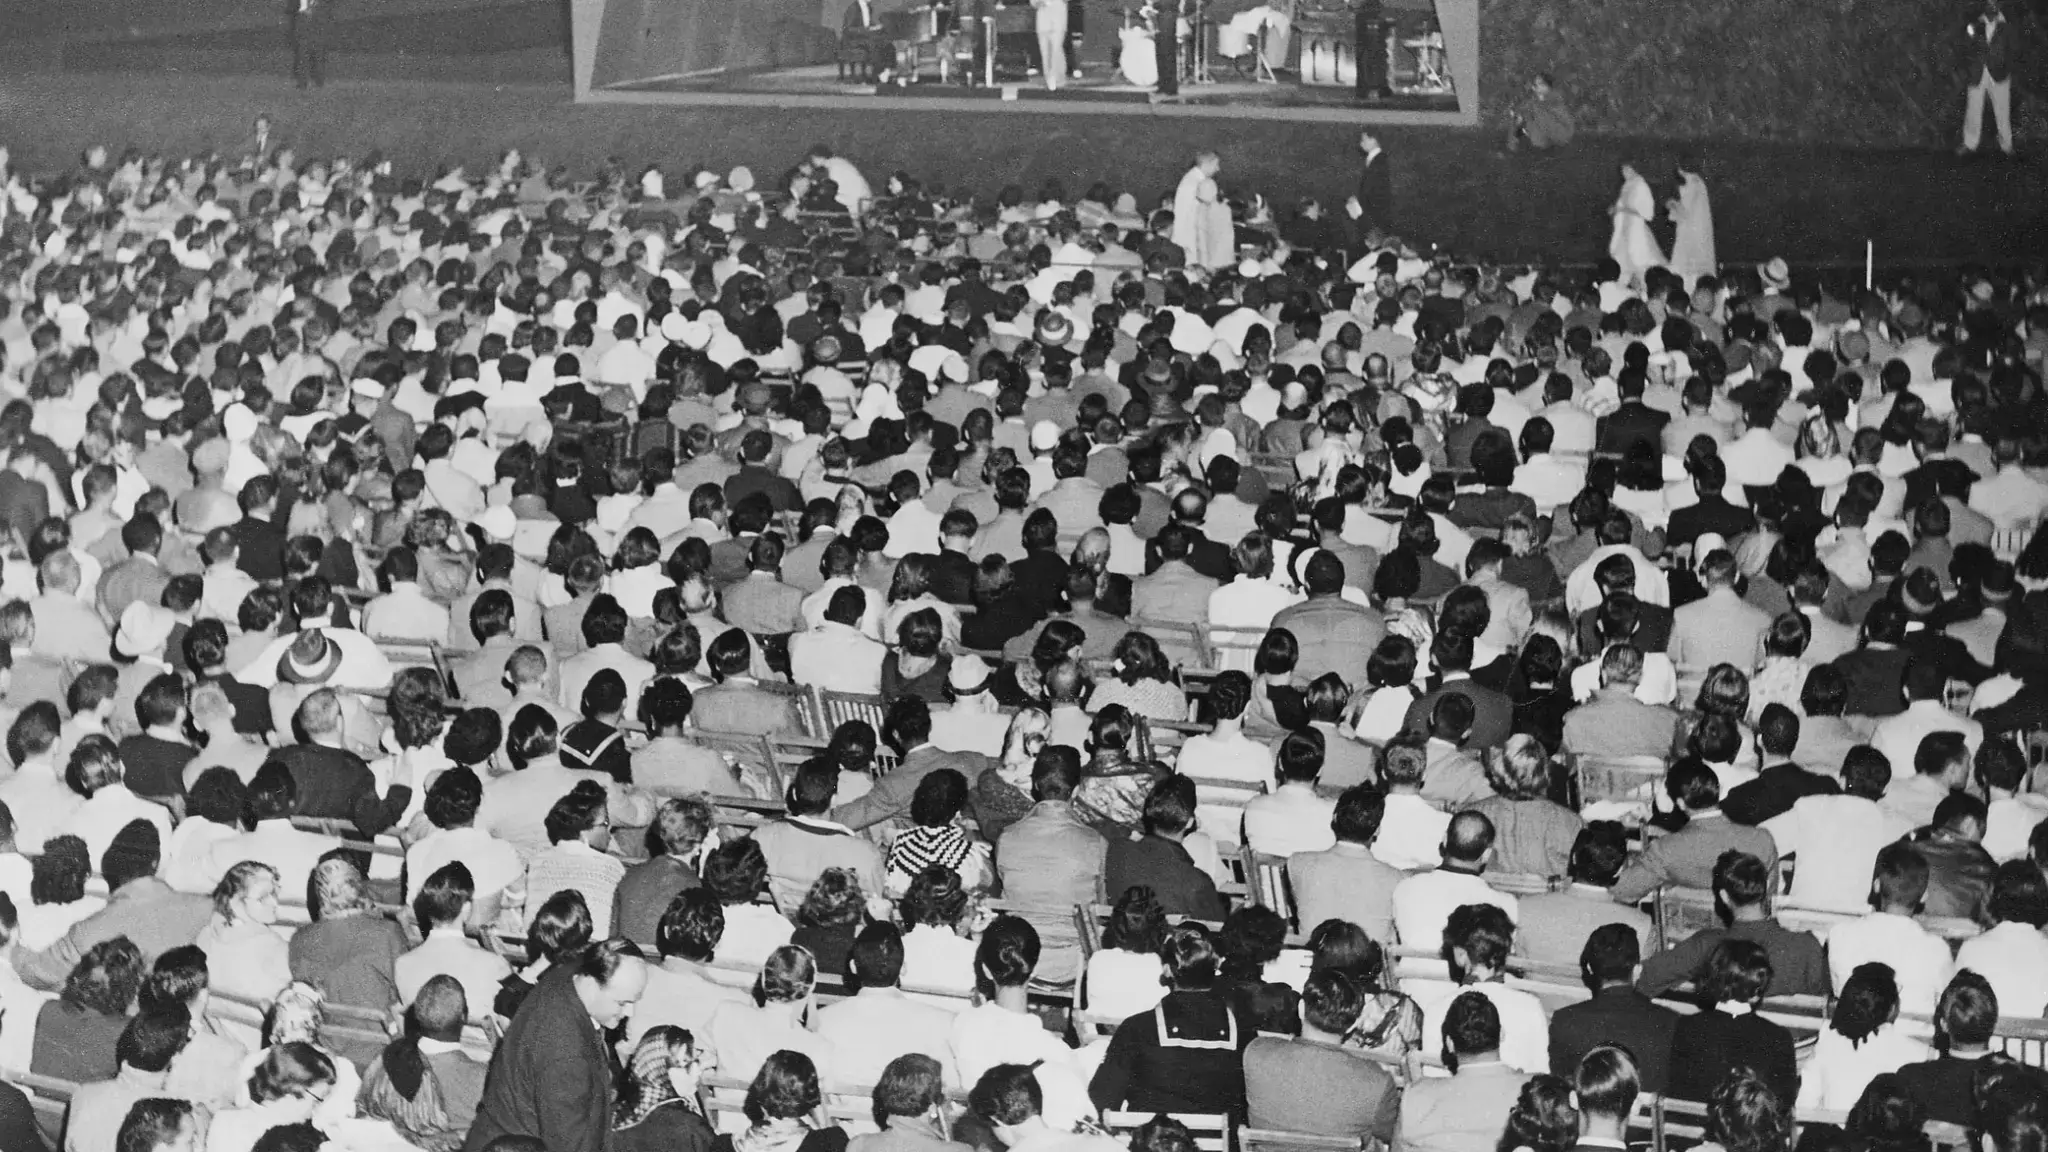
point(785, 53)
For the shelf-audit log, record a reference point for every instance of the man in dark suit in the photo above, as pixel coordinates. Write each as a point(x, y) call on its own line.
point(1634, 422)
point(1991, 40)
point(1204, 555)
point(310, 21)
point(259, 539)
point(550, 1078)
point(1373, 205)
point(1616, 577)
point(1492, 713)
point(1605, 1085)
point(1174, 590)
point(1712, 513)
point(1966, 1016)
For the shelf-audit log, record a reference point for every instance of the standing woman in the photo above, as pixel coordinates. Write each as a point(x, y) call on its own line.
point(1692, 250)
point(1632, 246)
point(1201, 220)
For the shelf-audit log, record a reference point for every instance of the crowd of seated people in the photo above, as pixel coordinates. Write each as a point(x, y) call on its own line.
point(498, 664)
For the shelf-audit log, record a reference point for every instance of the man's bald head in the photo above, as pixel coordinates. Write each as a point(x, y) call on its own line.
point(1468, 840)
point(59, 572)
point(528, 665)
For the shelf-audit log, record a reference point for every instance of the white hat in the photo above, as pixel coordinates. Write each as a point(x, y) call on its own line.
point(364, 386)
point(673, 326)
point(696, 335)
point(969, 674)
point(145, 628)
point(1045, 435)
point(954, 368)
point(1775, 272)
point(238, 422)
point(498, 523)
point(161, 407)
point(651, 185)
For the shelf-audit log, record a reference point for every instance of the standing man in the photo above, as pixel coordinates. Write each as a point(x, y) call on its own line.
point(550, 1078)
point(1991, 59)
point(310, 21)
point(1373, 206)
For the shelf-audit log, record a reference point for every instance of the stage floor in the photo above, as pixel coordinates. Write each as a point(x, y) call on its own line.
point(1098, 84)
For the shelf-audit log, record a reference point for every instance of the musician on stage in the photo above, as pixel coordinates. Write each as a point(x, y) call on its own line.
point(1165, 16)
point(1051, 23)
point(862, 24)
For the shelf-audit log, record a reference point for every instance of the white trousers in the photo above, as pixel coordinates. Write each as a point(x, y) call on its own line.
point(2000, 94)
point(1052, 48)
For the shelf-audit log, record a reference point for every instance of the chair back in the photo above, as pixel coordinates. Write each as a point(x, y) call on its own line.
point(836, 708)
point(1265, 879)
point(1681, 912)
point(1210, 1130)
point(1184, 644)
point(1596, 778)
point(1275, 1140)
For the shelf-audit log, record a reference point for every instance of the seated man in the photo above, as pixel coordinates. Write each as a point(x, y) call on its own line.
point(877, 1024)
point(1781, 783)
point(1292, 818)
point(1959, 870)
point(1314, 1083)
point(437, 1015)
point(1687, 858)
point(1467, 1110)
point(1614, 723)
point(802, 845)
point(1890, 934)
point(1158, 861)
point(1425, 901)
point(1617, 1013)
point(1555, 925)
point(1477, 938)
point(1742, 886)
point(1966, 1017)
point(443, 910)
point(1347, 882)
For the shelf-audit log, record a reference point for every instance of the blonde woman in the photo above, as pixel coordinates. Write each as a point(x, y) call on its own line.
point(1002, 797)
point(245, 956)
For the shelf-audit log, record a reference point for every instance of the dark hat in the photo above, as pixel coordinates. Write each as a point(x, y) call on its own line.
point(312, 659)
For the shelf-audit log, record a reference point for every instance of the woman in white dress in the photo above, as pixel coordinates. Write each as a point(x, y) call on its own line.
point(1692, 250)
point(1051, 22)
point(1632, 246)
point(1201, 220)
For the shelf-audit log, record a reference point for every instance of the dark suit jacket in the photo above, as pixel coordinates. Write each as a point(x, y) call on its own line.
point(1712, 514)
point(1774, 791)
point(1705, 1047)
point(23, 503)
point(551, 1076)
point(1938, 477)
point(1653, 628)
point(1994, 55)
point(1958, 876)
point(1634, 421)
point(1874, 675)
point(262, 548)
point(1181, 888)
point(1376, 194)
point(953, 577)
point(1617, 1015)
point(336, 784)
point(893, 792)
point(1493, 719)
point(1458, 441)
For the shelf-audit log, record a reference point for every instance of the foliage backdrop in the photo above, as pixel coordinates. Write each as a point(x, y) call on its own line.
point(1879, 73)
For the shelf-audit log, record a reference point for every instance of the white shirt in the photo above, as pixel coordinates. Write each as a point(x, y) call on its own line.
point(2011, 497)
point(2013, 957)
point(876, 1025)
point(837, 658)
point(1524, 1026)
point(1658, 685)
point(937, 959)
point(1898, 737)
point(1919, 958)
point(2010, 822)
point(448, 951)
point(1836, 1075)
point(1411, 833)
point(1290, 819)
point(1220, 756)
point(1838, 838)
point(1549, 481)
point(1425, 901)
point(1581, 592)
point(292, 851)
point(100, 819)
point(1120, 983)
point(1755, 458)
point(1249, 603)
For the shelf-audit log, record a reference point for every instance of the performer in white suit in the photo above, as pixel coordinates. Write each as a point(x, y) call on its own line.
point(1201, 220)
point(1692, 251)
point(1632, 245)
point(1052, 40)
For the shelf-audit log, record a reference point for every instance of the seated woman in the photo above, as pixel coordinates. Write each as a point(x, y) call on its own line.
point(937, 954)
point(783, 1110)
point(287, 1088)
point(657, 1109)
point(737, 873)
point(1002, 796)
point(296, 1017)
point(936, 840)
point(852, 748)
point(596, 742)
point(1727, 1033)
point(1888, 1118)
point(560, 929)
point(579, 829)
point(57, 887)
point(831, 915)
point(423, 1082)
point(1279, 695)
point(1143, 681)
point(1122, 978)
point(917, 667)
point(1004, 612)
point(1745, 1115)
point(243, 949)
point(1861, 1042)
point(1187, 1054)
point(77, 1032)
point(1390, 673)
point(1532, 834)
point(1390, 1023)
point(746, 1036)
point(349, 950)
point(1113, 785)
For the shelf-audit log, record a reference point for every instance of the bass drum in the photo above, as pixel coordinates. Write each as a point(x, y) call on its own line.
point(1136, 60)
